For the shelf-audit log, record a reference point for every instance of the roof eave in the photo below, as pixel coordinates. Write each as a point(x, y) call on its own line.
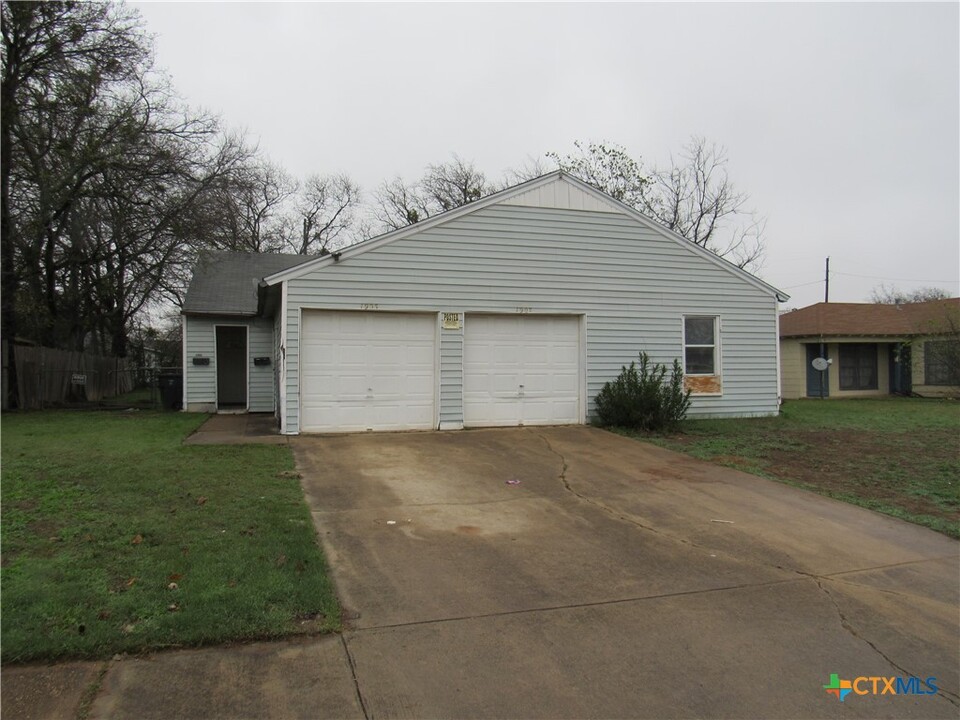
point(403, 232)
point(217, 313)
point(506, 194)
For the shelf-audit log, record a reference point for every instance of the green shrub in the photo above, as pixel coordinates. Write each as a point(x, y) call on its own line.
point(639, 398)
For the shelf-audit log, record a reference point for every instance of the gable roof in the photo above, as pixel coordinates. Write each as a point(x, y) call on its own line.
point(867, 319)
point(226, 283)
point(512, 195)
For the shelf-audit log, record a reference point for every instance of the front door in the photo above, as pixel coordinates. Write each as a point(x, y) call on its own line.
point(231, 367)
point(901, 375)
point(814, 377)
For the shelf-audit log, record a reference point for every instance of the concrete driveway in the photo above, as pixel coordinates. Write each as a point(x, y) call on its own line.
point(617, 579)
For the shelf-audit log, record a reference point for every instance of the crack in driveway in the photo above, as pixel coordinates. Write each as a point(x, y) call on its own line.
point(848, 626)
point(606, 508)
point(818, 579)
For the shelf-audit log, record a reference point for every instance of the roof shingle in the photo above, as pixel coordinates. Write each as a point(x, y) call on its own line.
point(868, 319)
point(225, 283)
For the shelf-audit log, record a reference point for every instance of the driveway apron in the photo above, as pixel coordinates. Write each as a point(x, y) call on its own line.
point(570, 572)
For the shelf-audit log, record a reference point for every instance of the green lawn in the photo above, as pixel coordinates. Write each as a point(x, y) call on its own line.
point(900, 456)
point(116, 537)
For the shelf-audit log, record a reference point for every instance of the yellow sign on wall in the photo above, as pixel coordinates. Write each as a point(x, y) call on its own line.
point(451, 321)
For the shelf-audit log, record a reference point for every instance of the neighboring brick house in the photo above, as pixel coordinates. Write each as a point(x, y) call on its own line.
point(874, 349)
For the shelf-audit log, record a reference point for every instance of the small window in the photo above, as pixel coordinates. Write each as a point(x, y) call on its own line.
point(941, 362)
point(858, 366)
point(700, 345)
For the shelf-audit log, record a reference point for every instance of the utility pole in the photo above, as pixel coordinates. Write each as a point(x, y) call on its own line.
point(826, 286)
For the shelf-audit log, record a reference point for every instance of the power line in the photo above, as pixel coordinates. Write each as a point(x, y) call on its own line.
point(878, 277)
point(791, 287)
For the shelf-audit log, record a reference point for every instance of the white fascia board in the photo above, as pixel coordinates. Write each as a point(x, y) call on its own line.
point(394, 235)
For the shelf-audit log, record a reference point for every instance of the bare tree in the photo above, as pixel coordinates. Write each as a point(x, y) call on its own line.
point(452, 184)
point(444, 186)
point(325, 209)
point(892, 295)
point(249, 208)
point(398, 204)
point(532, 167)
point(694, 196)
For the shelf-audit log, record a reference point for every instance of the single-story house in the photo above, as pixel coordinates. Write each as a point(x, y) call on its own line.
point(871, 349)
point(512, 310)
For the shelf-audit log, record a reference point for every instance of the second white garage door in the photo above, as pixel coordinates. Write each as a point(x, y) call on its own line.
point(521, 370)
point(367, 371)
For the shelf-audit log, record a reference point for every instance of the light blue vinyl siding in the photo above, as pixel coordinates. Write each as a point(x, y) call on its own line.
point(451, 375)
point(632, 283)
point(201, 380)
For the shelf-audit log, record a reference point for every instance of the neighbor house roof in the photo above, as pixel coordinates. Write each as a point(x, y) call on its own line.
point(506, 194)
point(869, 319)
point(225, 283)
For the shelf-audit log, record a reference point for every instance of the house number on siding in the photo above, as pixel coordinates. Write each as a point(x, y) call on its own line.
point(369, 306)
point(524, 310)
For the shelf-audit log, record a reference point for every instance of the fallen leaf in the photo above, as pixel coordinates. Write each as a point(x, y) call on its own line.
point(175, 577)
point(201, 500)
point(137, 539)
point(281, 561)
point(131, 581)
point(128, 628)
point(103, 615)
point(232, 583)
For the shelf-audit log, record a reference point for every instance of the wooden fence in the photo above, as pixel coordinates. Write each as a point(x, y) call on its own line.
point(47, 377)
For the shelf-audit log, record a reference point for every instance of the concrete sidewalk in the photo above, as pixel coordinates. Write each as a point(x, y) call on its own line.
point(302, 678)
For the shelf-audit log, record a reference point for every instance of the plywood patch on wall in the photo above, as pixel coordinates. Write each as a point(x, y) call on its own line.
point(703, 384)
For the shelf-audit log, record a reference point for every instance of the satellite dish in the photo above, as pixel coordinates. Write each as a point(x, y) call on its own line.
point(820, 364)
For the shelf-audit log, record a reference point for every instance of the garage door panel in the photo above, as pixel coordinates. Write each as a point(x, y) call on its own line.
point(367, 371)
point(521, 370)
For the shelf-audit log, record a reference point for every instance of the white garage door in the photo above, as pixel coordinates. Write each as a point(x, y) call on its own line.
point(367, 371)
point(521, 370)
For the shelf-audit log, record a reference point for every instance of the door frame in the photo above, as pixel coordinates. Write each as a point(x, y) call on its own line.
point(246, 366)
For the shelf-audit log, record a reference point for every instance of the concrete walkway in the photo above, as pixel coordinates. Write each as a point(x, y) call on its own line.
point(238, 429)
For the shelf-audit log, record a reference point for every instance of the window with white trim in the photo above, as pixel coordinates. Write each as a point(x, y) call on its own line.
point(700, 355)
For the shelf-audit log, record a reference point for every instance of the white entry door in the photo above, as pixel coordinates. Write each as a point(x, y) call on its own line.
point(521, 370)
point(367, 371)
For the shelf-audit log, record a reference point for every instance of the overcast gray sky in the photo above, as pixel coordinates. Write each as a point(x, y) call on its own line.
point(842, 121)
